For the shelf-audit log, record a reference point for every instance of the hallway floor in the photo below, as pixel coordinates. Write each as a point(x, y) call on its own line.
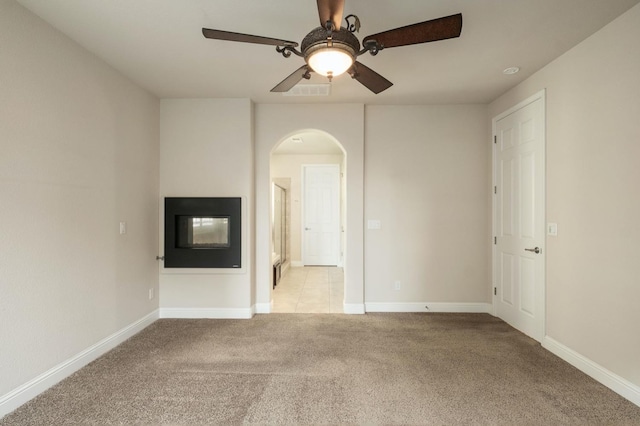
point(311, 289)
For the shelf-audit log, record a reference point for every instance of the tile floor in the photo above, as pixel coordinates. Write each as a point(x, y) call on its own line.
point(311, 289)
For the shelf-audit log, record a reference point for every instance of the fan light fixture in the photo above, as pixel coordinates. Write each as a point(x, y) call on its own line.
point(331, 49)
point(330, 61)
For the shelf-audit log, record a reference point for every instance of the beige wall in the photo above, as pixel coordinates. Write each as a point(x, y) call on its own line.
point(427, 182)
point(593, 187)
point(78, 154)
point(290, 166)
point(206, 150)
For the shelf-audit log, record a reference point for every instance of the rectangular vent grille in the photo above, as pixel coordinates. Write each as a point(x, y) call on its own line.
point(309, 90)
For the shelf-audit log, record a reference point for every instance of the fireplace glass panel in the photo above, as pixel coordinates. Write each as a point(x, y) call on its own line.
point(202, 232)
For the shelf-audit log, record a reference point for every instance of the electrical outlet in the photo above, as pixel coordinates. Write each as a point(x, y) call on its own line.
point(123, 228)
point(151, 293)
point(396, 285)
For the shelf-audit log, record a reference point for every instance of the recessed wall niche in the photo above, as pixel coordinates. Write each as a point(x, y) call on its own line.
point(202, 232)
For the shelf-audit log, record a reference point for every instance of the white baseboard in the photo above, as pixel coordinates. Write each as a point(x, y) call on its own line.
point(353, 308)
point(213, 313)
point(285, 268)
point(611, 380)
point(262, 308)
point(14, 399)
point(297, 264)
point(485, 308)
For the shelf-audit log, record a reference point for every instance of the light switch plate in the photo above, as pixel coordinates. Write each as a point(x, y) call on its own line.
point(552, 229)
point(123, 228)
point(373, 224)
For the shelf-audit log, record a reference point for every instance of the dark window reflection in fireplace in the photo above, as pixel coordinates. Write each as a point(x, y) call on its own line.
point(202, 232)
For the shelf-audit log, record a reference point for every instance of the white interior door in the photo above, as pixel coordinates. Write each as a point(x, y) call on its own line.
point(519, 257)
point(321, 214)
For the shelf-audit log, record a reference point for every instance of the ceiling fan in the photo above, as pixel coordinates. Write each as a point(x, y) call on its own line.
point(332, 49)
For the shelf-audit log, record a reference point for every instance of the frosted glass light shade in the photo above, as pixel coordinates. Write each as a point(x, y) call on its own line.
point(330, 61)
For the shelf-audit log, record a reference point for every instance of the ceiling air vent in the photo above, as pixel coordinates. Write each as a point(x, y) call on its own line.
point(309, 90)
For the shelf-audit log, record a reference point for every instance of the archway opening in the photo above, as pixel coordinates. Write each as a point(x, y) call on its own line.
point(307, 220)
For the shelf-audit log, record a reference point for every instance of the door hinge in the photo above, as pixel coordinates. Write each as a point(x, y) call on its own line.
point(495, 291)
point(495, 240)
point(495, 189)
point(495, 139)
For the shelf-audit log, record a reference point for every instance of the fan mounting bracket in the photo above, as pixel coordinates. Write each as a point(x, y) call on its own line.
point(371, 46)
point(286, 51)
point(355, 26)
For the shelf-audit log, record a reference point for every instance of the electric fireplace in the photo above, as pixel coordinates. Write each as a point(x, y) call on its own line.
point(202, 232)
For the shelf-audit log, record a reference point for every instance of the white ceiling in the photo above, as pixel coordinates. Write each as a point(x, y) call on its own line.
point(159, 44)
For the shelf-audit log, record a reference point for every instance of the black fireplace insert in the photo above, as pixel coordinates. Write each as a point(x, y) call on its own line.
point(202, 232)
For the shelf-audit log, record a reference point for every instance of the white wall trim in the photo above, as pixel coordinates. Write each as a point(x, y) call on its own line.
point(285, 267)
point(611, 380)
point(353, 308)
point(22, 394)
point(485, 308)
point(212, 313)
point(297, 264)
point(263, 308)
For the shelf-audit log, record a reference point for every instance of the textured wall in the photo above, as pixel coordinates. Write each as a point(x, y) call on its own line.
point(206, 150)
point(427, 182)
point(593, 171)
point(78, 155)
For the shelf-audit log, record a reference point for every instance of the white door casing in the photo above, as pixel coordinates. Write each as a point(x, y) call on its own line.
point(321, 214)
point(519, 216)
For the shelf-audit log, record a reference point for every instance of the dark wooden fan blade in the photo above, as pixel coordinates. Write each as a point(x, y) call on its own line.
point(245, 38)
point(369, 78)
point(423, 32)
point(330, 10)
point(293, 79)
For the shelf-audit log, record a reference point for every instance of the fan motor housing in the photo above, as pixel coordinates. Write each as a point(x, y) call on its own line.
point(342, 39)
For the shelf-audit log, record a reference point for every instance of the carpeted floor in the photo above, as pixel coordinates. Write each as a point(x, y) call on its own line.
point(437, 369)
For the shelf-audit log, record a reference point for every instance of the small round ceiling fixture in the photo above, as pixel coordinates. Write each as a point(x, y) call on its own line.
point(511, 70)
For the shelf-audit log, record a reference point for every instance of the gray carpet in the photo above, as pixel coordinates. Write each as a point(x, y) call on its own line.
point(438, 369)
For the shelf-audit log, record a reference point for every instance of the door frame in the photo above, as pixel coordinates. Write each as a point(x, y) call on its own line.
point(541, 325)
point(303, 196)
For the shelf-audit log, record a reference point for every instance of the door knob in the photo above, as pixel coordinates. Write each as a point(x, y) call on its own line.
point(535, 250)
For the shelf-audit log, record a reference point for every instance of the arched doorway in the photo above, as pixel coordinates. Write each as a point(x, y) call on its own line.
point(343, 122)
point(307, 274)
